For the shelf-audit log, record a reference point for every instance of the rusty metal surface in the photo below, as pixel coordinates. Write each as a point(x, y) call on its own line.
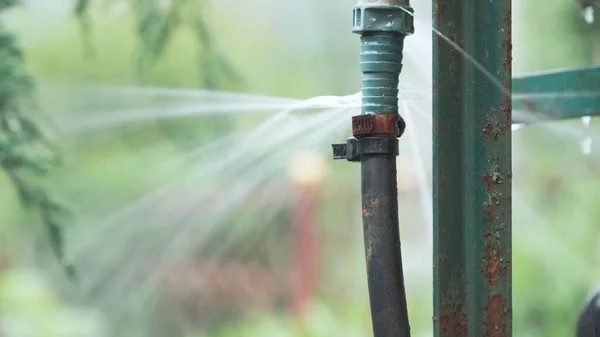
point(373, 125)
point(472, 170)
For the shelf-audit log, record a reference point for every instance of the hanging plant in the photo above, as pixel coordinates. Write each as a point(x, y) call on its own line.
point(25, 153)
point(157, 21)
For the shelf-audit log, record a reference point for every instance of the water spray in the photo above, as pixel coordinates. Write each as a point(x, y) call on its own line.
point(383, 25)
point(588, 7)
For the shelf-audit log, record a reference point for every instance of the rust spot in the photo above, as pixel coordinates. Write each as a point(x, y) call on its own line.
point(507, 43)
point(441, 183)
point(490, 132)
point(507, 46)
point(439, 11)
point(365, 213)
point(507, 109)
point(492, 267)
point(499, 123)
point(454, 324)
point(491, 208)
point(495, 316)
point(375, 201)
point(508, 19)
point(490, 183)
point(381, 124)
point(369, 252)
point(436, 125)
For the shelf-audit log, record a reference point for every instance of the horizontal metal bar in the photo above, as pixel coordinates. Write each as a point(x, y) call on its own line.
point(554, 95)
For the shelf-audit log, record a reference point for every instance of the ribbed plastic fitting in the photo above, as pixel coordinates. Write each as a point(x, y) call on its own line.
point(382, 28)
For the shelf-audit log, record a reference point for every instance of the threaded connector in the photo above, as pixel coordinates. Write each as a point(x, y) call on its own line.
point(377, 18)
point(382, 29)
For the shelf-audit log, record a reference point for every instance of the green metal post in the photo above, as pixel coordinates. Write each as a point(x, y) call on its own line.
point(472, 170)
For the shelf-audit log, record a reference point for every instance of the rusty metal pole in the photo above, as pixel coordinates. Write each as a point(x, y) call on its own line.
point(383, 25)
point(472, 170)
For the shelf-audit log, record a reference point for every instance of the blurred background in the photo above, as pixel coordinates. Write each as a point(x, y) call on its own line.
point(186, 187)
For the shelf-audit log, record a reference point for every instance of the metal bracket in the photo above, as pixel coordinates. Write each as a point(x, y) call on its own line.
point(355, 148)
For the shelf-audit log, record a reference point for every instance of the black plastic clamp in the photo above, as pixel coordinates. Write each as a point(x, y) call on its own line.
point(355, 148)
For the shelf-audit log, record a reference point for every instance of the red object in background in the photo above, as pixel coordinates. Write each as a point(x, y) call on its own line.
point(305, 249)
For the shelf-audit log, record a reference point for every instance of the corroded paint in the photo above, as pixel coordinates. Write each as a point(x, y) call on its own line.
point(494, 265)
point(496, 312)
point(375, 124)
point(454, 324)
point(439, 10)
point(472, 166)
point(365, 213)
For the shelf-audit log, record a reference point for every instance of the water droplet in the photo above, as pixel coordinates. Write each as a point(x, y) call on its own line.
point(586, 146)
point(516, 127)
point(588, 14)
point(586, 120)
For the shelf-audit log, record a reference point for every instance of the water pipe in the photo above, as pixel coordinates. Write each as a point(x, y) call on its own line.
point(588, 322)
point(383, 25)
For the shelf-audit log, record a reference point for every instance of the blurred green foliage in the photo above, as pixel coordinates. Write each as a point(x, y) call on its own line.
point(321, 321)
point(29, 306)
point(24, 150)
